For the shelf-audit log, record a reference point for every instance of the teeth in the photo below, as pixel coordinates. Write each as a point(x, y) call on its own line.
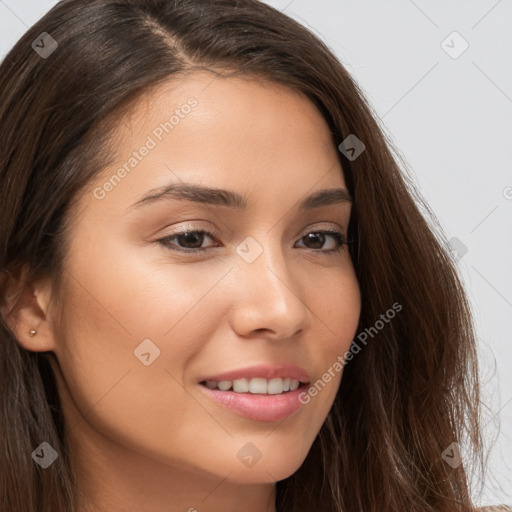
point(255, 385)
point(224, 385)
point(241, 386)
point(275, 386)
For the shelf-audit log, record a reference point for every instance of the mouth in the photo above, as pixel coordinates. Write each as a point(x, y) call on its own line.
point(256, 385)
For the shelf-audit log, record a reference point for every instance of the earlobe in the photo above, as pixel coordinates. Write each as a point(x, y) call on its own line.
point(26, 315)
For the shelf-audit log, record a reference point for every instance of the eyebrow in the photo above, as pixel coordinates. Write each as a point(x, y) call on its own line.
point(234, 200)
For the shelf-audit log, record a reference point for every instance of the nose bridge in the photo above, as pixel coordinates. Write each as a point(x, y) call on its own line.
point(263, 260)
point(270, 298)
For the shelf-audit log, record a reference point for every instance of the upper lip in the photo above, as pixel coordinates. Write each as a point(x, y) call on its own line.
point(264, 371)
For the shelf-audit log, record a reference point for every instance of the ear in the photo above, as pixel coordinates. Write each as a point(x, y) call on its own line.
point(25, 307)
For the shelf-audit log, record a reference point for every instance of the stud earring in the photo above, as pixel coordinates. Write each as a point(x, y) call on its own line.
point(32, 332)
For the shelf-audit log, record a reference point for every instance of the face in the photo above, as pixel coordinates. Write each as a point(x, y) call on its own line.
point(164, 292)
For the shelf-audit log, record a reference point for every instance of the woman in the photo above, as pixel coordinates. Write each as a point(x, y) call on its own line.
point(311, 350)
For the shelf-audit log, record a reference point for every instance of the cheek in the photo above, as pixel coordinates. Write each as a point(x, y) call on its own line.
point(112, 390)
point(130, 294)
point(335, 302)
point(107, 317)
point(337, 310)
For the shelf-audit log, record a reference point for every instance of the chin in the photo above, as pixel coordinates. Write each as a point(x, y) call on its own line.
point(275, 468)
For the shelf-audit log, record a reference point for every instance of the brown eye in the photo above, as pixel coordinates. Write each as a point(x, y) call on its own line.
point(191, 240)
point(187, 241)
point(316, 240)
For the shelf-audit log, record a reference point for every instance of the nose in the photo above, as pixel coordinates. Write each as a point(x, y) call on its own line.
point(270, 300)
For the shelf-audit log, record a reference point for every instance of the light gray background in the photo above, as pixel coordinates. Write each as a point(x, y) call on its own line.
point(451, 120)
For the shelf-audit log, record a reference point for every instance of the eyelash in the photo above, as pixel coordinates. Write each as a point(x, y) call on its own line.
point(213, 234)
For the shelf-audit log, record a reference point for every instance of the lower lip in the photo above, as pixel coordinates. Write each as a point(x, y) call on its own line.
point(258, 407)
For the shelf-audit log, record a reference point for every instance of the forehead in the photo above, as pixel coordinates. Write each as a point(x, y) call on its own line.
point(239, 133)
point(239, 107)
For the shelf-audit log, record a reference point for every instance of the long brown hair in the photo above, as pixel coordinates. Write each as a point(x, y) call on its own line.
point(408, 394)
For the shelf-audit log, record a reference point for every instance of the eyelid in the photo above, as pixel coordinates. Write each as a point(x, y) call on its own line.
point(324, 225)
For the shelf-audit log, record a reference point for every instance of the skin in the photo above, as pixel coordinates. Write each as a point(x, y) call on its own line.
point(145, 438)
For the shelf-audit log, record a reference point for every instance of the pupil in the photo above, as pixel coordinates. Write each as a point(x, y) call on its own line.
point(321, 236)
point(188, 236)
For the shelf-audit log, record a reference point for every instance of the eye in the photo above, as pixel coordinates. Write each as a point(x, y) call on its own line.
point(191, 240)
point(319, 237)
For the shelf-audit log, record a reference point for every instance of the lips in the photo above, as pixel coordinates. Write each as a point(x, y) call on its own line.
point(257, 407)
